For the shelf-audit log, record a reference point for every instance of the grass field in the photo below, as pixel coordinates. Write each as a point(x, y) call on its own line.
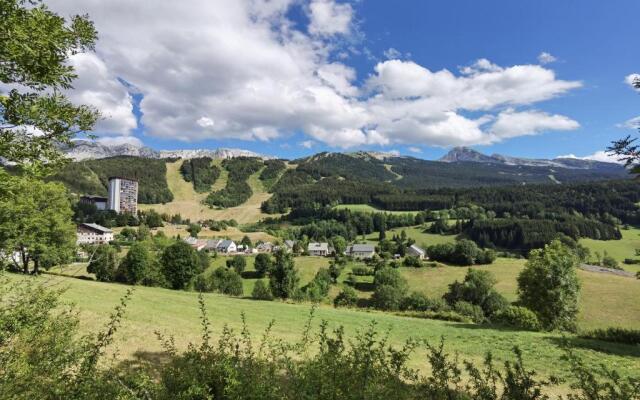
point(188, 203)
point(605, 300)
point(307, 268)
point(618, 249)
point(176, 313)
point(416, 233)
point(368, 208)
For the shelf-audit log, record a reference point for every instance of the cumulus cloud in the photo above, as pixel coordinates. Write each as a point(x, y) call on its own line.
point(99, 87)
point(215, 69)
point(600, 155)
point(329, 17)
point(546, 58)
point(510, 123)
point(415, 149)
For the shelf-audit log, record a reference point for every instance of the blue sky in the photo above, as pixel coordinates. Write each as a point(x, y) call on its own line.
point(591, 44)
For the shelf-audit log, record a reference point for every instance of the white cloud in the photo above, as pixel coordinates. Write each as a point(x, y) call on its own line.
point(632, 80)
point(600, 155)
point(415, 149)
point(329, 17)
point(546, 58)
point(118, 140)
point(307, 144)
point(511, 123)
point(392, 53)
point(242, 70)
point(99, 87)
point(633, 123)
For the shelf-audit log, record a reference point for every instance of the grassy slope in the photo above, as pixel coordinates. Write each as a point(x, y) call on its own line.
point(188, 203)
point(417, 234)
point(176, 313)
point(618, 249)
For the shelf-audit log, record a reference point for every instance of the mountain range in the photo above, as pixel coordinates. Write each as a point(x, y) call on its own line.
point(465, 154)
point(91, 150)
point(86, 149)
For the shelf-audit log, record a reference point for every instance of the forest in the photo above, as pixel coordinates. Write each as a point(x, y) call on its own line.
point(91, 177)
point(200, 172)
point(237, 190)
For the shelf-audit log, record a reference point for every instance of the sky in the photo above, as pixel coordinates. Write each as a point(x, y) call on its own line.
point(528, 78)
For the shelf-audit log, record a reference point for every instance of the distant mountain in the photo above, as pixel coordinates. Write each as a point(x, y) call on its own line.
point(90, 150)
point(465, 154)
point(215, 154)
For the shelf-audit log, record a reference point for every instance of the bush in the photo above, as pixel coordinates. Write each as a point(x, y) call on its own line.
point(362, 271)
point(412, 261)
point(387, 297)
point(226, 281)
point(470, 310)
point(519, 317)
point(261, 291)
point(238, 263)
point(616, 335)
point(477, 289)
point(346, 298)
point(631, 261)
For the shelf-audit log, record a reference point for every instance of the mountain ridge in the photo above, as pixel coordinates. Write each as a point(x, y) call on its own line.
point(466, 154)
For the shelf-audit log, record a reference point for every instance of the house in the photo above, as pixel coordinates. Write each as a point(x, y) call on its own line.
point(266, 247)
point(318, 249)
point(361, 251)
point(93, 234)
point(197, 244)
point(212, 244)
point(416, 251)
point(227, 246)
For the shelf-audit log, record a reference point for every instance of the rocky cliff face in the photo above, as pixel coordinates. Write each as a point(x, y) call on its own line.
point(86, 149)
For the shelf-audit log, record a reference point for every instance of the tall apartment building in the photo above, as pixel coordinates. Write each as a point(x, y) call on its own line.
point(123, 195)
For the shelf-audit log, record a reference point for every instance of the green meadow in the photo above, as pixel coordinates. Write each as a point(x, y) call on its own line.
point(176, 313)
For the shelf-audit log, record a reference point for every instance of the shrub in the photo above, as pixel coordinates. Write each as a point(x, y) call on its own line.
point(387, 297)
point(631, 261)
point(346, 298)
point(412, 261)
point(617, 335)
point(226, 281)
point(417, 301)
point(261, 291)
point(610, 262)
point(477, 289)
point(519, 317)
point(362, 271)
point(470, 310)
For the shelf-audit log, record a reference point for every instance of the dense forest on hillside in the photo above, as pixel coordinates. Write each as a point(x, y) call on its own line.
point(91, 177)
point(423, 174)
point(272, 171)
point(200, 172)
point(237, 190)
point(359, 166)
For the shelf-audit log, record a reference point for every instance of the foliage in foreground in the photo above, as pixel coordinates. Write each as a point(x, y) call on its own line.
point(42, 357)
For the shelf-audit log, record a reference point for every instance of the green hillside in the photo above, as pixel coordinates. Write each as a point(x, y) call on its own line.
point(91, 177)
point(176, 313)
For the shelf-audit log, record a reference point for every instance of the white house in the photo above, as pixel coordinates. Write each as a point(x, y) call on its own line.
point(227, 246)
point(93, 234)
point(212, 244)
point(318, 249)
point(361, 251)
point(416, 251)
point(289, 245)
